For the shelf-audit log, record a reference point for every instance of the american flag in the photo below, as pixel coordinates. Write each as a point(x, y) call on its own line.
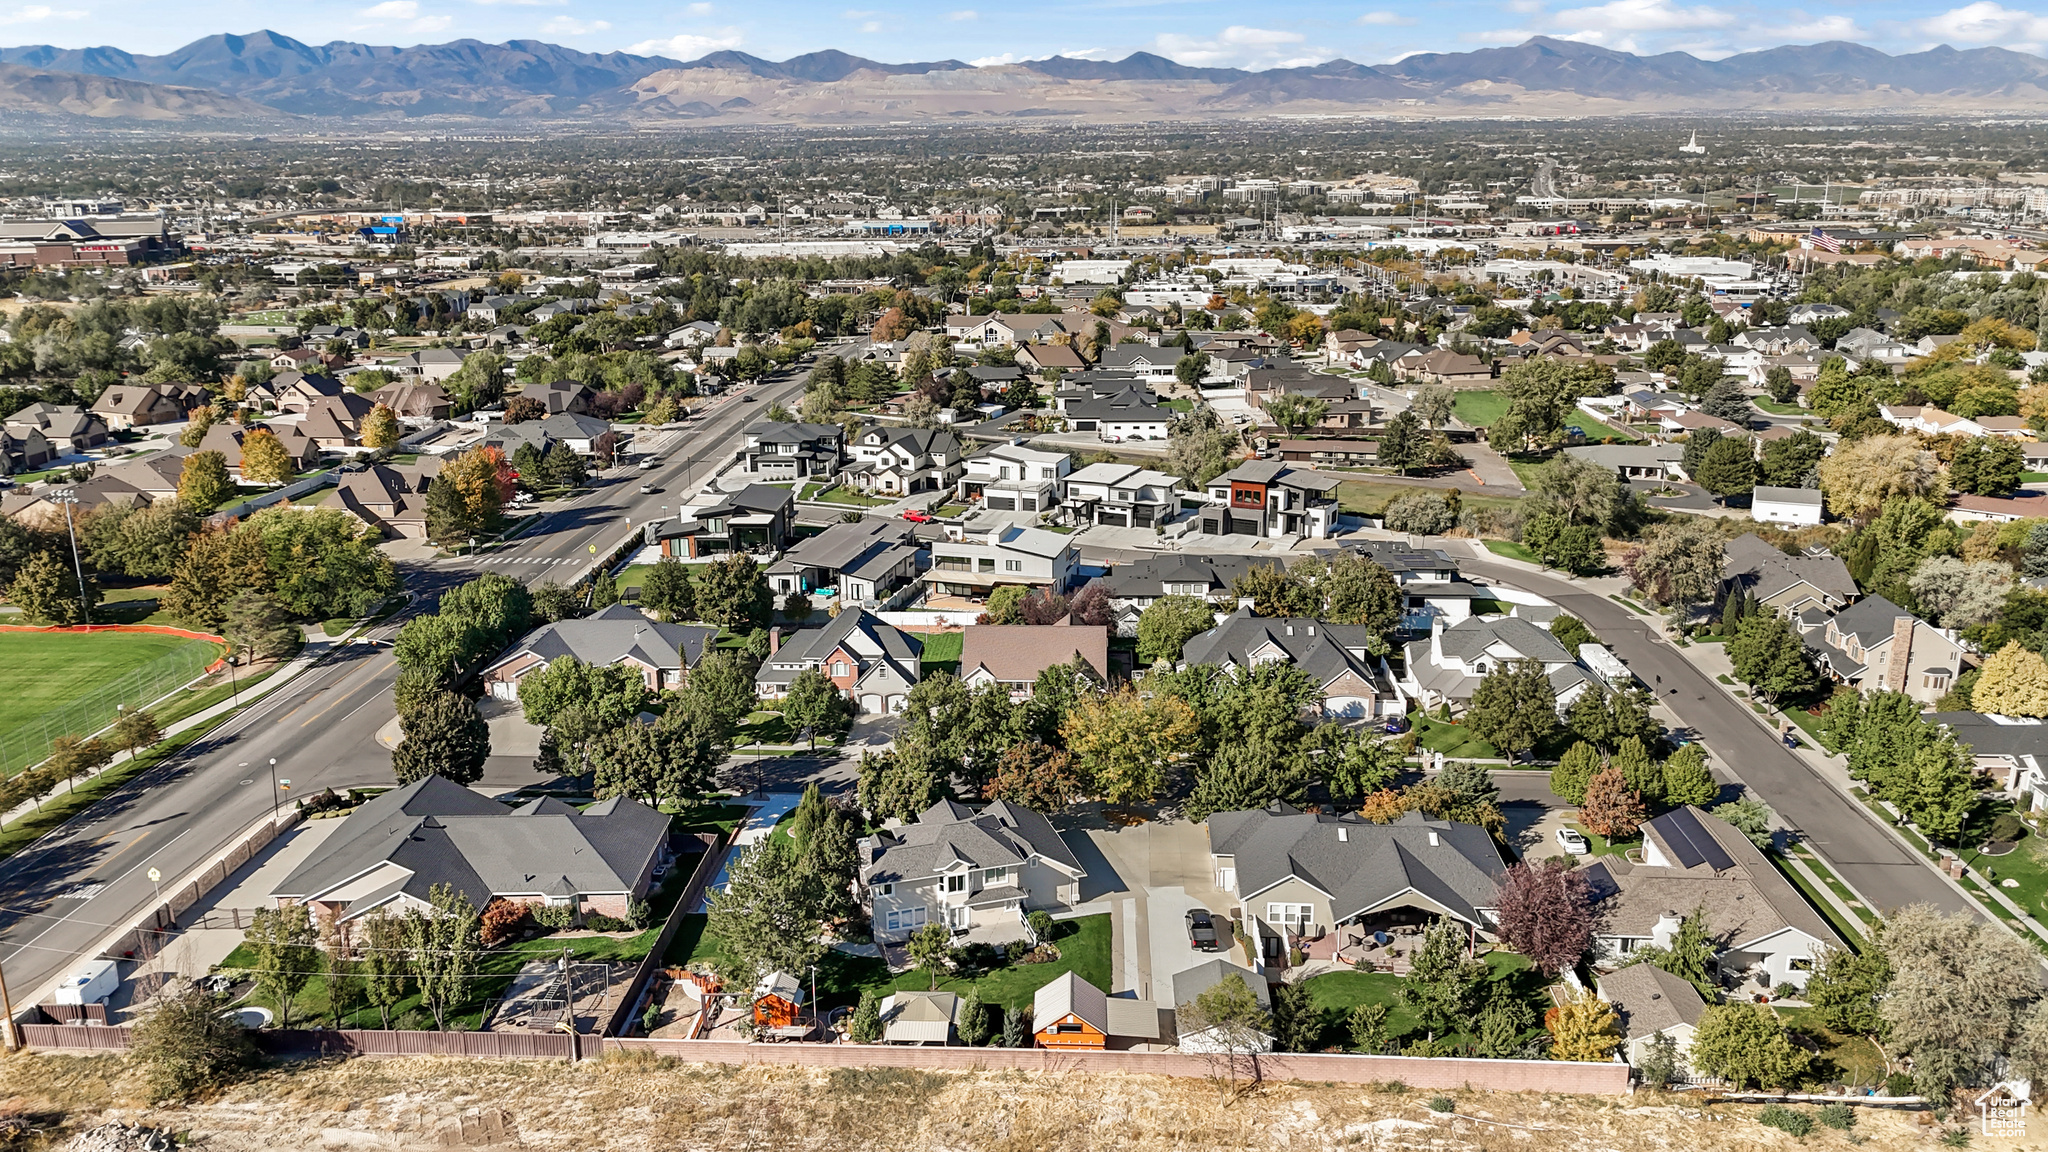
point(1820, 239)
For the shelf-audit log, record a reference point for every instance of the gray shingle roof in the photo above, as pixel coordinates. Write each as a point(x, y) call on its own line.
point(1650, 1000)
point(1324, 651)
point(809, 647)
point(1764, 571)
point(1470, 638)
point(1460, 871)
point(614, 633)
point(1002, 835)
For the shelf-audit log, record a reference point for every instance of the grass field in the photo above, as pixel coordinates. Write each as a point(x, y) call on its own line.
point(1452, 740)
point(1083, 945)
point(1767, 404)
point(1512, 551)
point(1479, 408)
point(942, 651)
point(44, 670)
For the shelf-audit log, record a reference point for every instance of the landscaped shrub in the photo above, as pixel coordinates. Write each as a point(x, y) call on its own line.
point(504, 920)
point(1785, 1119)
point(639, 915)
point(554, 917)
point(1840, 1117)
point(1040, 922)
point(599, 922)
point(2006, 828)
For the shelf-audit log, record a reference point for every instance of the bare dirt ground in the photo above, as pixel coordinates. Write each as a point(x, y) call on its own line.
point(649, 1104)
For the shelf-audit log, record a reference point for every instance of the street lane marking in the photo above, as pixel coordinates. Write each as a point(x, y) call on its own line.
point(351, 692)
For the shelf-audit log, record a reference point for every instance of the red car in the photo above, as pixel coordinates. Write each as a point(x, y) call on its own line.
point(916, 517)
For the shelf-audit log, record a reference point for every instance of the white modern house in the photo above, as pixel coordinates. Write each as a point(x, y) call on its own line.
point(1013, 478)
point(975, 565)
point(1769, 505)
point(1122, 496)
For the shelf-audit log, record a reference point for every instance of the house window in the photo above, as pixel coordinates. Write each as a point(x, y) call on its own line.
point(905, 919)
point(1066, 1026)
point(1938, 683)
point(1800, 964)
point(839, 668)
point(993, 876)
point(886, 889)
point(957, 883)
point(1013, 565)
point(1294, 917)
point(987, 564)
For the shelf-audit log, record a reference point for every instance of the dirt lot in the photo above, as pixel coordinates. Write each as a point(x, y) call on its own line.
point(650, 1104)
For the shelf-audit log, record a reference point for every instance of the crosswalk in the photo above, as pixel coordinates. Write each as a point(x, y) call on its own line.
point(531, 560)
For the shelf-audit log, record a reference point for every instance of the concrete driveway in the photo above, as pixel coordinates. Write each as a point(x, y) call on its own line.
point(1147, 877)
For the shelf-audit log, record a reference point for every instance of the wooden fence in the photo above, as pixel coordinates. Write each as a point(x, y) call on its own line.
point(715, 848)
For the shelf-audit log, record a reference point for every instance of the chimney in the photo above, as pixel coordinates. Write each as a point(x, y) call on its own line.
point(1901, 660)
point(1666, 929)
point(775, 640)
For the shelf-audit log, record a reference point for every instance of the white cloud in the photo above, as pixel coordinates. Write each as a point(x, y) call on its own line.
point(699, 9)
point(570, 26)
point(1095, 53)
point(1496, 36)
point(871, 27)
point(689, 45)
point(1639, 16)
point(1803, 29)
point(1984, 23)
point(523, 3)
point(1384, 18)
point(963, 14)
point(1524, 6)
point(393, 10)
point(426, 24)
point(1239, 46)
point(36, 14)
point(994, 61)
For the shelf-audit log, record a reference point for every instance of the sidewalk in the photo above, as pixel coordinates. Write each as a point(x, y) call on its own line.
point(309, 656)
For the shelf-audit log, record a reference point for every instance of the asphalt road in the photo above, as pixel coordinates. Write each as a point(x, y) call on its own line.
point(59, 897)
point(1862, 851)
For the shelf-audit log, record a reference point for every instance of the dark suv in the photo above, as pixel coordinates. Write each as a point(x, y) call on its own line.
point(1201, 931)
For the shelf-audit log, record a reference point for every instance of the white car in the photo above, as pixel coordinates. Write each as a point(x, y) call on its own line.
point(1570, 840)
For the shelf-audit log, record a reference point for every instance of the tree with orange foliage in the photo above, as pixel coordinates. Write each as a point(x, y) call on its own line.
point(893, 325)
point(1385, 806)
point(1612, 808)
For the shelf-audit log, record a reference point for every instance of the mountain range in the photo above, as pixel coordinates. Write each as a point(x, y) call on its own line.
point(269, 75)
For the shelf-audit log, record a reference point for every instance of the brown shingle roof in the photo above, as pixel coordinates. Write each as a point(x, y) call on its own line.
point(1015, 653)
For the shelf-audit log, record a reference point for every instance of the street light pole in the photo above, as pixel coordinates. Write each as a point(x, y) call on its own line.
point(273, 789)
point(67, 498)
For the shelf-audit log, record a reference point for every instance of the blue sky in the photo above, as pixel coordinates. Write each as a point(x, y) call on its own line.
point(1203, 32)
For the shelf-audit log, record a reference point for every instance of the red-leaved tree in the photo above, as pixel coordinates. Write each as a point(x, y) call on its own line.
point(1546, 913)
point(1612, 808)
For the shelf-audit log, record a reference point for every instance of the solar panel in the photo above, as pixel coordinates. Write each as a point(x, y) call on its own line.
point(1690, 843)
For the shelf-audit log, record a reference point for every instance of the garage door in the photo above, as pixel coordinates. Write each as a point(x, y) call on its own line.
point(1002, 503)
point(1113, 519)
point(1243, 527)
point(871, 704)
point(1347, 707)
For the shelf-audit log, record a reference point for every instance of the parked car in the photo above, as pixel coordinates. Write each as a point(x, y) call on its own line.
point(1570, 840)
point(916, 517)
point(1201, 931)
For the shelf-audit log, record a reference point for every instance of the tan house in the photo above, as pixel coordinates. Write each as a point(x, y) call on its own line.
point(226, 439)
point(415, 401)
point(1039, 357)
point(618, 635)
point(1786, 584)
point(1875, 645)
point(1443, 366)
point(1014, 654)
point(125, 406)
point(1300, 876)
point(391, 498)
point(965, 869)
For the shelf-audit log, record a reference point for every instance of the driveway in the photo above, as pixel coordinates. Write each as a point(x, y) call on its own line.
point(1863, 852)
point(1147, 877)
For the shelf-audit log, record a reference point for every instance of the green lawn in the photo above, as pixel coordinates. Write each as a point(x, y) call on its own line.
point(720, 818)
point(1453, 740)
point(942, 651)
point(839, 495)
point(1336, 993)
point(44, 670)
point(1598, 845)
point(1767, 404)
point(1842, 1059)
point(1479, 408)
point(131, 606)
point(2034, 477)
point(1820, 903)
point(1512, 551)
point(1596, 429)
point(1083, 945)
point(2024, 864)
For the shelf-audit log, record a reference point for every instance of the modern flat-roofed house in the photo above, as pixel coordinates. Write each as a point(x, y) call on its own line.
point(1300, 875)
point(1014, 654)
point(1448, 666)
point(1765, 931)
point(974, 566)
point(874, 663)
point(755, 519)
point(965, 869)
point(1772, 505)
point(793, 451)
point(662, 653)
point(864, 561)
point(1875, 644)
point(1268, 498)
point(1355, 683)
point(1073, 1015)
point(1014, 478)
point(391, 852)
point(1650, 1002)
point(1121, 496)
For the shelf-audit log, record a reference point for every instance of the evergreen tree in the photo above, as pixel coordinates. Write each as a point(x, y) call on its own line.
point(444, 736)
point(1687, 779)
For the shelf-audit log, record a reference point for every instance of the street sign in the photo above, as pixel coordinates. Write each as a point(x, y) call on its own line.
point(593, 549)
point(155, 876)
point(285, 784)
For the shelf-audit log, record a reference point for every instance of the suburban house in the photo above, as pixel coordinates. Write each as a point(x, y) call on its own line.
point(793, 451)
point(857, 562)
point(125, 406)
point(903, 461)
point(1193, 982)
point(965, 869)
point(296, 391)
point(71, 430)
point(1134, 586)
point(1131, 413)
point(1764, 929)
point(1267, 498)
point(1442, 366)
point(1014, 478)
point(1299, 876)
point(2025, 504)
point(333, 423)
point(1635, 461)
point(391, 498)
point(2012, 750)
point(1355, 683)
point(1048, 357)
point(1649, 1002)
point(415, 402)
point(436, 364)
point(391, 852)
point(1875, 644)
point(1932, 421)
point(1428, 578)
point(873, 662)
point(226, 439)
point(616, 635)
point(24, 450)
point(1121, 496)
point(560, 396)
point(755, 519)
point(1148, 363)
point(1773, 505)
point(1447, 667)
point(1014, 654)
point(919, 1017)
point(975, 566)
point(1073, 1015)
point(1788, 584)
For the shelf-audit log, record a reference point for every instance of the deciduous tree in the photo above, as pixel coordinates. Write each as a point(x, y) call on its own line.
point(1168, 623)
point(1514, 708)
point(1611, 807)
point(1583, 1028)
point(1748, 1045)
point(444, 943)
point(203, 483)
point(1546, 913)
point(287, 954)
point(445, 737)
point(1125, 742)
point(2014, 682)
point(733, 591)
point(1862, 474)
point(380, 428)
point(264, 459)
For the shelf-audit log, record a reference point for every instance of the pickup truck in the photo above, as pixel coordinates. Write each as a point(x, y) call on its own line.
point(1201, 930)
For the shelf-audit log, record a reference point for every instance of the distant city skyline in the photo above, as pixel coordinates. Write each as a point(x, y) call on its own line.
point(1205, 33)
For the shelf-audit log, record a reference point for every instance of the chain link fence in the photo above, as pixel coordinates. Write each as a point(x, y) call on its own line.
point(27, 744)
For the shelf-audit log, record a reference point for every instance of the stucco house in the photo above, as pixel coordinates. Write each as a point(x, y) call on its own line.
point(1013, 655)
point(1875, 644)
point(1650, 1002)
point(1448, 667)
point(618, 634)
point(965, 869)
point(1355, 683)
point(873, 662)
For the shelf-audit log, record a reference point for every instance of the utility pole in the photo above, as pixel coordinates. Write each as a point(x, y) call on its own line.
point(67, 498)
point(7, 1005)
